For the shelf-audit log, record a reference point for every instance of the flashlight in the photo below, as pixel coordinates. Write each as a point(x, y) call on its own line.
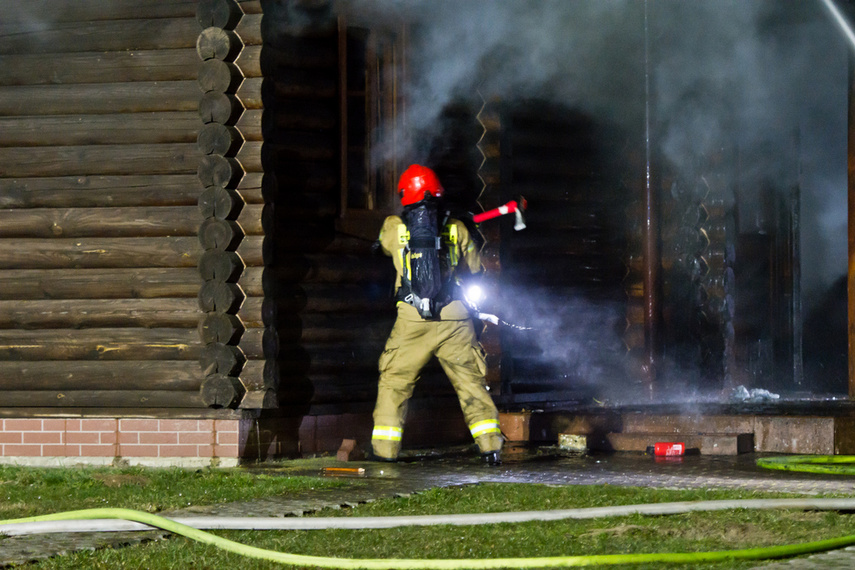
point(474, 294)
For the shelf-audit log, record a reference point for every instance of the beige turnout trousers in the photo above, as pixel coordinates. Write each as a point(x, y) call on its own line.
point(411, 345)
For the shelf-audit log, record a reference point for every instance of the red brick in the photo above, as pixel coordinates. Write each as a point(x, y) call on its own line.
point(22, 425)
point(126, 438)
point(206, 425)
point(72, 425)
point(58, 450)
point(226, 426)
point(54, 425)
point(11, 437)
point(226, 450)
point(204, 451)
point(99, 424)
point(158, 438)
point(227, 438)
point(140, 425)
point(97, 450)
point(196, 438)
point(71, 450)
point(179, 425)
point(179, 450)
point(109, 437)
point(22, 450)
point(77, 437)
point(138, 451)
point(43, 437)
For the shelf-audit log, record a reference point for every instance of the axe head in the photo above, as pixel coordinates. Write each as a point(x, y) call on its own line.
point(519, 222)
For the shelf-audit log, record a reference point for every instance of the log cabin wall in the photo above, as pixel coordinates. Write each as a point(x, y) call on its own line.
point(130, 207)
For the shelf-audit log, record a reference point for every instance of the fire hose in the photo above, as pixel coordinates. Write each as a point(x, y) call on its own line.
point(827, 464)
point(74, 519)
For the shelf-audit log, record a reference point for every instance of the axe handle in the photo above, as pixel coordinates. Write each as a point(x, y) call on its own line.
point(508, 208)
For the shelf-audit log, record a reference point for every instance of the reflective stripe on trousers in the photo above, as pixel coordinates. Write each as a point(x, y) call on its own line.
point(484, 427)
point(390, 433)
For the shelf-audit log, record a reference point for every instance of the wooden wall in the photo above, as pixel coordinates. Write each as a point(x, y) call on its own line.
point(107, 208)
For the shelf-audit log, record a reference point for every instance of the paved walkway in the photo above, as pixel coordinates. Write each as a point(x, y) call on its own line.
point(544, 466)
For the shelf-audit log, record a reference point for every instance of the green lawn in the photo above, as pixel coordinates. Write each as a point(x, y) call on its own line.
point(37, 491)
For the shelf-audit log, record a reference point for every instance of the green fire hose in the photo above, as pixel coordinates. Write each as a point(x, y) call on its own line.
point(826, 464)
point(407, 564)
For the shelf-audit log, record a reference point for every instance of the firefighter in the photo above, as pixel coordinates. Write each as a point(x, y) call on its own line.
point(431, 256)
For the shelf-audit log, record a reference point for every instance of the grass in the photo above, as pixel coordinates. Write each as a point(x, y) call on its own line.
point(45, 490)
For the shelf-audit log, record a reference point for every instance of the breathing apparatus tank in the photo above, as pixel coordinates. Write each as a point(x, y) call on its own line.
point(422, 284)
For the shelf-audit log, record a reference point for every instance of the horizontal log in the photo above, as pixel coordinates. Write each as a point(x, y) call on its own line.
point(223, 171)
point(250, 124)
point(99, 67)
point(221, 327)
point(175, 158)
point(99, 191)
point(220, 297)
point(102, 399)
point(218, 358)
point(105, 35)
point(123, 128)
point(101, 344)
point(223, 235)
point(100, 222)
point(259, 400)
point(220, 203)
point(215, 138)
point(221, 391)
point(217, 43)
point(90, 10)
point(168, 375)
point(250, 30)
point(218, 13)
point(93, 99)
point(99, 253)
point(227, 108)
point(99, 313)
point(260, 375)
point(146, 283)
point(219, 76)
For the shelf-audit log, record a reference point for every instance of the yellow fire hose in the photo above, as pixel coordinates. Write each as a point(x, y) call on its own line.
point(407, 564)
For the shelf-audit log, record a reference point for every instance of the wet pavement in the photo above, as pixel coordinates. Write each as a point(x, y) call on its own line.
point(419, 472)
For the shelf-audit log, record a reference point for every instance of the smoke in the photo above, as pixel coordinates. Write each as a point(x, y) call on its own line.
point(763, 80)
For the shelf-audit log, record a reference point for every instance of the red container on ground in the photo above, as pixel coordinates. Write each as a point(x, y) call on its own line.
point(669, 448)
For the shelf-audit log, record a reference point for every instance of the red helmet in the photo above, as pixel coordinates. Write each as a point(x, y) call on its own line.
point(415, 182)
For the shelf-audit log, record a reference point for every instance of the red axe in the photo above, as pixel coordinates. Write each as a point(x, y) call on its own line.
point(516, 207)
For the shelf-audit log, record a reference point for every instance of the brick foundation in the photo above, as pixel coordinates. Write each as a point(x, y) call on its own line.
point(203, 442)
